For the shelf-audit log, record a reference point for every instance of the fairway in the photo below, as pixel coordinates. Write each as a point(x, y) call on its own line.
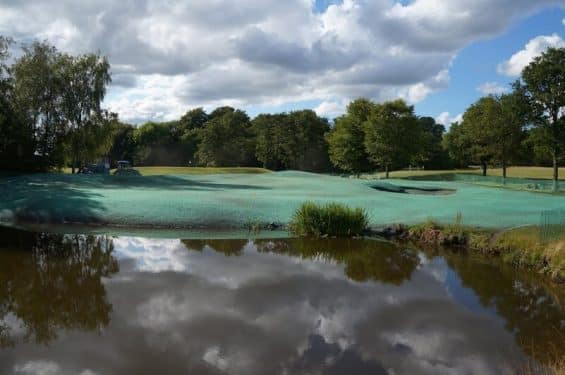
point(236, 200)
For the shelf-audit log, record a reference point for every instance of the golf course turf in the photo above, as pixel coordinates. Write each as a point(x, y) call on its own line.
point(234, 200)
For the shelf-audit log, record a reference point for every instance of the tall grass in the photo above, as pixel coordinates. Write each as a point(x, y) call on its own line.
point(331, 219)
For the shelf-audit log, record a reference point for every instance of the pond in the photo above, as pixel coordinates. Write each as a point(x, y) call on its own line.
point(98, 304)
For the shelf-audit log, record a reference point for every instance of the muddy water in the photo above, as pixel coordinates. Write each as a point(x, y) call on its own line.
point(95, 304)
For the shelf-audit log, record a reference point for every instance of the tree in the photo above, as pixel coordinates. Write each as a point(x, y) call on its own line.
point(85, 79)
point(226, 140)
point(432, 154)
point(36, 97)
point(272, 140)
point(190, 125)
point(392, 134)
point(311, 149)
point(492, 128)
point(4, 71)
point(455, 142)
point(347, 138)
point(57, 98)
point(507, 132)
point(544, 88)
point(123, 144)
point(292, 140)
point(193, 119)
point(161, 143)
point(16, 143)
point(478, 120)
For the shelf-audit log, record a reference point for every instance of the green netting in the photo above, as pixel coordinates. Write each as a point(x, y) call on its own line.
point(552, 225)
point(234, 200)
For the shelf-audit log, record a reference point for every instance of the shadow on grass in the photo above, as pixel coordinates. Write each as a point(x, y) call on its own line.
point(25, 199)
point(59, 198)
point(137, 182)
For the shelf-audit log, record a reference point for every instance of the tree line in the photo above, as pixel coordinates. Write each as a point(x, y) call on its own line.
point(525, 126)
point(51, 117)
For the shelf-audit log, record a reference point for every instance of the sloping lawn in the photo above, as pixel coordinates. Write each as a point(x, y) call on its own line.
point(235, 200)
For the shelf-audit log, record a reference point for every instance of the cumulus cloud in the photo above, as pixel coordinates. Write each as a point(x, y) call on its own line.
point(331, 108)
point(446, 119)
point(535, 47)
point(169, 56)
point(492, 88)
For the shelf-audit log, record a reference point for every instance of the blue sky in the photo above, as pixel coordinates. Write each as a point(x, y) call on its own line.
point(477, 63)
point(169, 56)
point(473, 66)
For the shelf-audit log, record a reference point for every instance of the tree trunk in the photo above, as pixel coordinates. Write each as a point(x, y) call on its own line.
point(484, 168)
point(73, 167)
point(386, 171)
point(504, 172)
point(555, 173)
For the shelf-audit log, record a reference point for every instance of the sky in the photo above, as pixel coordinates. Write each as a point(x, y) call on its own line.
point(271, 56)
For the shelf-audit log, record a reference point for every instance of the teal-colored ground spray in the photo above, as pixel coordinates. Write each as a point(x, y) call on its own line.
point(235, 200)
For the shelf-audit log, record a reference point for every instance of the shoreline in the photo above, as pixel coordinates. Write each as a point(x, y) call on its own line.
point(519, 246)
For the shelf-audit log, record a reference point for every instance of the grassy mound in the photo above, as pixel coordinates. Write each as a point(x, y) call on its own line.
point(331, 219)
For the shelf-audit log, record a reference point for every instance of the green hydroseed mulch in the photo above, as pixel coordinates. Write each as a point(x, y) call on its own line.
point(237, 200)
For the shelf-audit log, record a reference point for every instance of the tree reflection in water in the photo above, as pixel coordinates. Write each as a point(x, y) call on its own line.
point(364, 260)
point(532, 308)
point(50, 282)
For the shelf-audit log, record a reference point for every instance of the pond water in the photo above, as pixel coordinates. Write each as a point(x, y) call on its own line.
point(96, 304)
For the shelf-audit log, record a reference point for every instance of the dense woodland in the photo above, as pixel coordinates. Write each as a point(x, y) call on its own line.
point(51, 117)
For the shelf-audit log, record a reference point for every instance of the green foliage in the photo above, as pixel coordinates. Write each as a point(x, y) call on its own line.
point(83, 86)
point(226, 140)
point(457, 145)
point(36, 93)
point(478, 119)
point(491, 132)
point(292, 141)
point(347, 138)
point(57, 98)
point(386, 135)
point(163, 143)
point(432, 154)
point(544, 90)
point(392, 134)
point(331, 219)
point(193, 119)
point(123, 145)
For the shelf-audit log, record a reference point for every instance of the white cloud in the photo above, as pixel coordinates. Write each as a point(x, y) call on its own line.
point(38, 368)
point(169, 56)
point(446, 119)
point(153, 255)
point(535, 47)
point(331, 108)
point(492, 88)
